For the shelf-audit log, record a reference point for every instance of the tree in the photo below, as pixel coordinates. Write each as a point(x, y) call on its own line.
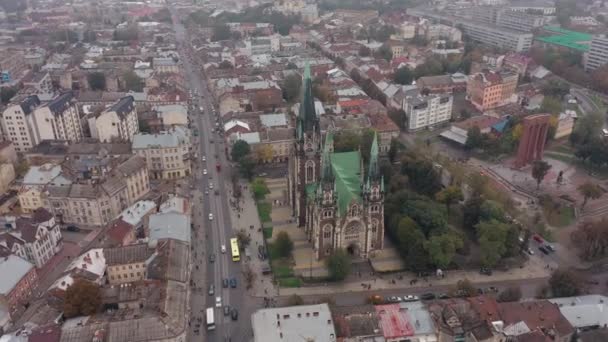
point(97, 81)
point(423, 176)
point(551, 105)
point(132, 81)
point(249, 276)
point(556, 89)
point(259, 188)
point(442, 248)
point(394, 149)
point(225, 64)
point(464, 288)
point(240, 149)
point(292, 66)
point(243, 238)
point(591, 238)
point(295, 300)
point(403, 75)
point(492, 237)
point(471, 212)
point(510, 294)
point(82, 298)
point(589, 190)
point(291, 87)
point(450, 195)
point(565, 283)
point(338, 265)
point(221, 32)
point(247, 167)
point(283, 244)
point(6, 94)
point(364, 51)
point(540, 168)
point(347, 141)
point(411, 244)
point(474, 138)
point(264, 153)
point(385, 52)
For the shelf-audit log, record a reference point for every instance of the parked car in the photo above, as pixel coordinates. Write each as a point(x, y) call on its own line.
point(543, 249)
point(72, 228)
point(537, 238)
point(410, 298)
point(233, 283)
point(223, 248)
point(225, 283)
point(211, 257)
point(210, 217)
point(234, 314)
point(427, 296)
point(211, 289)
point(485, 271)
point(226, 310)
point(550, 248)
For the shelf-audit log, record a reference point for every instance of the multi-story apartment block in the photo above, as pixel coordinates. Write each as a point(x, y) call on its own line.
point(439, 31)
point(18, 282)
point(98, 203)
point(490, 89)
point(598, 52)
point(35, 181)
point(505, 17)
point(58, 119)
point(17, 123)
point(116, 123)
point(127, 264)
point(167, 154)
point(497, 36)
point(424, 111)
point(36, 239)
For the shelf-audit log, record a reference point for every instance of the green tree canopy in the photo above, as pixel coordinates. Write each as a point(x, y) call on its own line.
point(291, 87)
point(283, 244)
point(385, 52)
point(492, 237)
point(247, 167)
point(474, 138)
point(403, 75)
point(412, 244)
point(338, 264)
point(589, 190)
point(240, 149)
point(442, 248)
point(450, 195)
point(6, 94)
point(551, 105)
point(221, 32)
point(82, 298)
point(565, 283)
point(259, 188)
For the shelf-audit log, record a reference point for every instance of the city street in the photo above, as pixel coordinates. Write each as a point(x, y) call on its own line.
point(210, 234)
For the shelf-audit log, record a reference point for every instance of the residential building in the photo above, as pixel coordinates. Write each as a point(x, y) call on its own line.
point(17, 123)
point(584, 312)
point(565, 124)
point(293, 323)
point(127, 264)
point(90, 266)
point(172, 115)
point(58, 120)
point(405, 321)
point(7, 175)
point(407, 30)
point(545, 7)
point(116, 123)
point(538, 315)
point(505, 17)
point(497, 36)
point(458, 132)
point(36, 239)
point(439, 31)
point(491, 89)
point(167, 154)
point(334, 216)
point(598, 52)
point(422, 111)
point(34, 183)
point(120, 233)
point(517, 62)
point(12, 65)
point(18, 282)
point(169, 225)
point(8, 153)
point(165, 65)
point(41, 83)
point(263, 45)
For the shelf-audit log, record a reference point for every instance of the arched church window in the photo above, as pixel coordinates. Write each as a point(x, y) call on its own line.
point(354, 210)
point(327, 231)
point(310, 171)
point(375, 225)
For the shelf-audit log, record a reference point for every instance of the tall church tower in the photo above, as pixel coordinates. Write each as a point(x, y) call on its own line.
point(305, 169)
point(373, 201)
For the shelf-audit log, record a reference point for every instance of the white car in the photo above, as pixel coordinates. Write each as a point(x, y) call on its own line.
point(218, 302)
point(204, 158)
point(210, 186)
point(210, 217)
point(204, 171)
point(223, 248)
point(410, 298)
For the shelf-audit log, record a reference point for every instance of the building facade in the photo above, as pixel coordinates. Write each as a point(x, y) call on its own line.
point(490, 89)
point(18, 282)
point(116, 123)
point(598, 52)
point(58, 119)
point(127, 264)
point(337, 208)
point(17, 123)
point(167, 154)
point(424, 111)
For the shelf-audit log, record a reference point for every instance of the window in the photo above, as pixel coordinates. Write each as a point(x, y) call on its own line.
point(354, 210)
point(310, 172)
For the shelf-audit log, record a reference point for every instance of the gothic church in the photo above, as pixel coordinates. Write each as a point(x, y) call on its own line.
point(335, 201)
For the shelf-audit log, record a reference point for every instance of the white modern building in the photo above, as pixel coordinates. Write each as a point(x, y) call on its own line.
point(58, 120)
point(293, 323)
point(167, 154)
point(598, 52)
point(36, 239)
point(116, 123)
point(423, 111)
point(17, 123)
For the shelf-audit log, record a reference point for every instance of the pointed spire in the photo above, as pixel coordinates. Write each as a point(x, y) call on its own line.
point(326, 171)
point(307, 115)
point(374, 166)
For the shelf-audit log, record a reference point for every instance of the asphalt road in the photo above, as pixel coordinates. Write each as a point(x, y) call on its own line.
point(209, 235)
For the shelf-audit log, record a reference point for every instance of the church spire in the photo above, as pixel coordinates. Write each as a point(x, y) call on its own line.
point(307, 115)
point(374, 166)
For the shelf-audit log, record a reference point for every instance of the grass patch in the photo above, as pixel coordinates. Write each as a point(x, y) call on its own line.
point(267, 231)
point(282, 269)
point(556, 213)
point(264, 209)
point(290, 282)
point(561, 157)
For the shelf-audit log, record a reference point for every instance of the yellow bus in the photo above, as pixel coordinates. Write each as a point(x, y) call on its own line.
point(234, 246)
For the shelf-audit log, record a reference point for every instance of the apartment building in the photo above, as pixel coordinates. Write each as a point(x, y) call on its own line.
point(18, 282)
point(167, 154)
point(116, 123)
point(35, 181)
point(505, 17)
point(58, 120)
point(17, 123)
point(423, 111)
point(36, 239)
point(127, 264)
point(598, 52)
point(497, 36)
point(440, 31)
point(491, 89)
point(98, 203)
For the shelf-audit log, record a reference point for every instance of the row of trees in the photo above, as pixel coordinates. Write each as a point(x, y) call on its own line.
point(241, 154)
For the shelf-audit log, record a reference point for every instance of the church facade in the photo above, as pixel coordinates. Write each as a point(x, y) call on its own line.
point(337, 203)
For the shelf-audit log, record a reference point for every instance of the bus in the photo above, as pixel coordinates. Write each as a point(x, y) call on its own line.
point(234, 246)
point(210, 319)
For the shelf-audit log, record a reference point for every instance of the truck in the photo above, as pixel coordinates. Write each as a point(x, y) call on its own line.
point(210, 319)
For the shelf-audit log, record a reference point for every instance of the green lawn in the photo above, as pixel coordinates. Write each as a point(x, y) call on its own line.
point(561, 157)
point(264, 209)
point(267, 232)
point(556, 213)
point(290, 282)
point(282, 269)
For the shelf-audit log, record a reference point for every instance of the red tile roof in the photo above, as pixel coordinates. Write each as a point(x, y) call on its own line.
point(50, 333)
point(486, 307)
point(481, 121)
point(537, 315)
point(393, 321)
point(119, 230)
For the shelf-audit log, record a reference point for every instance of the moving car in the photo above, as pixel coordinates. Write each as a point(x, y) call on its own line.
point(427, 296)
point(543, 249)
point(225, 283)
point(233, 282)
point(211, 289)
point(226, 310)
point(234, 314)
point(204, 171)
point(211, 257)
point(210, 217)
point(204, 158)
point(218, 302)
point(72, 228)
point(223, 248)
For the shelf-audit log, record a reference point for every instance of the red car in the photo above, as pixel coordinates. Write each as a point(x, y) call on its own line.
point(537, 238)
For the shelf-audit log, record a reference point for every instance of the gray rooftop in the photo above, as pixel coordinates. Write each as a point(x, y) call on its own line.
point(294, 324)
point(127, 254)
point(584, 311)
point(173, 138)
point(12, 269)
point(272, 120)
point(169, 226)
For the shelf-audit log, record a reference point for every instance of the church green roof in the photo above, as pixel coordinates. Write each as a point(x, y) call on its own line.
point(347, 169)
point(310, 190)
